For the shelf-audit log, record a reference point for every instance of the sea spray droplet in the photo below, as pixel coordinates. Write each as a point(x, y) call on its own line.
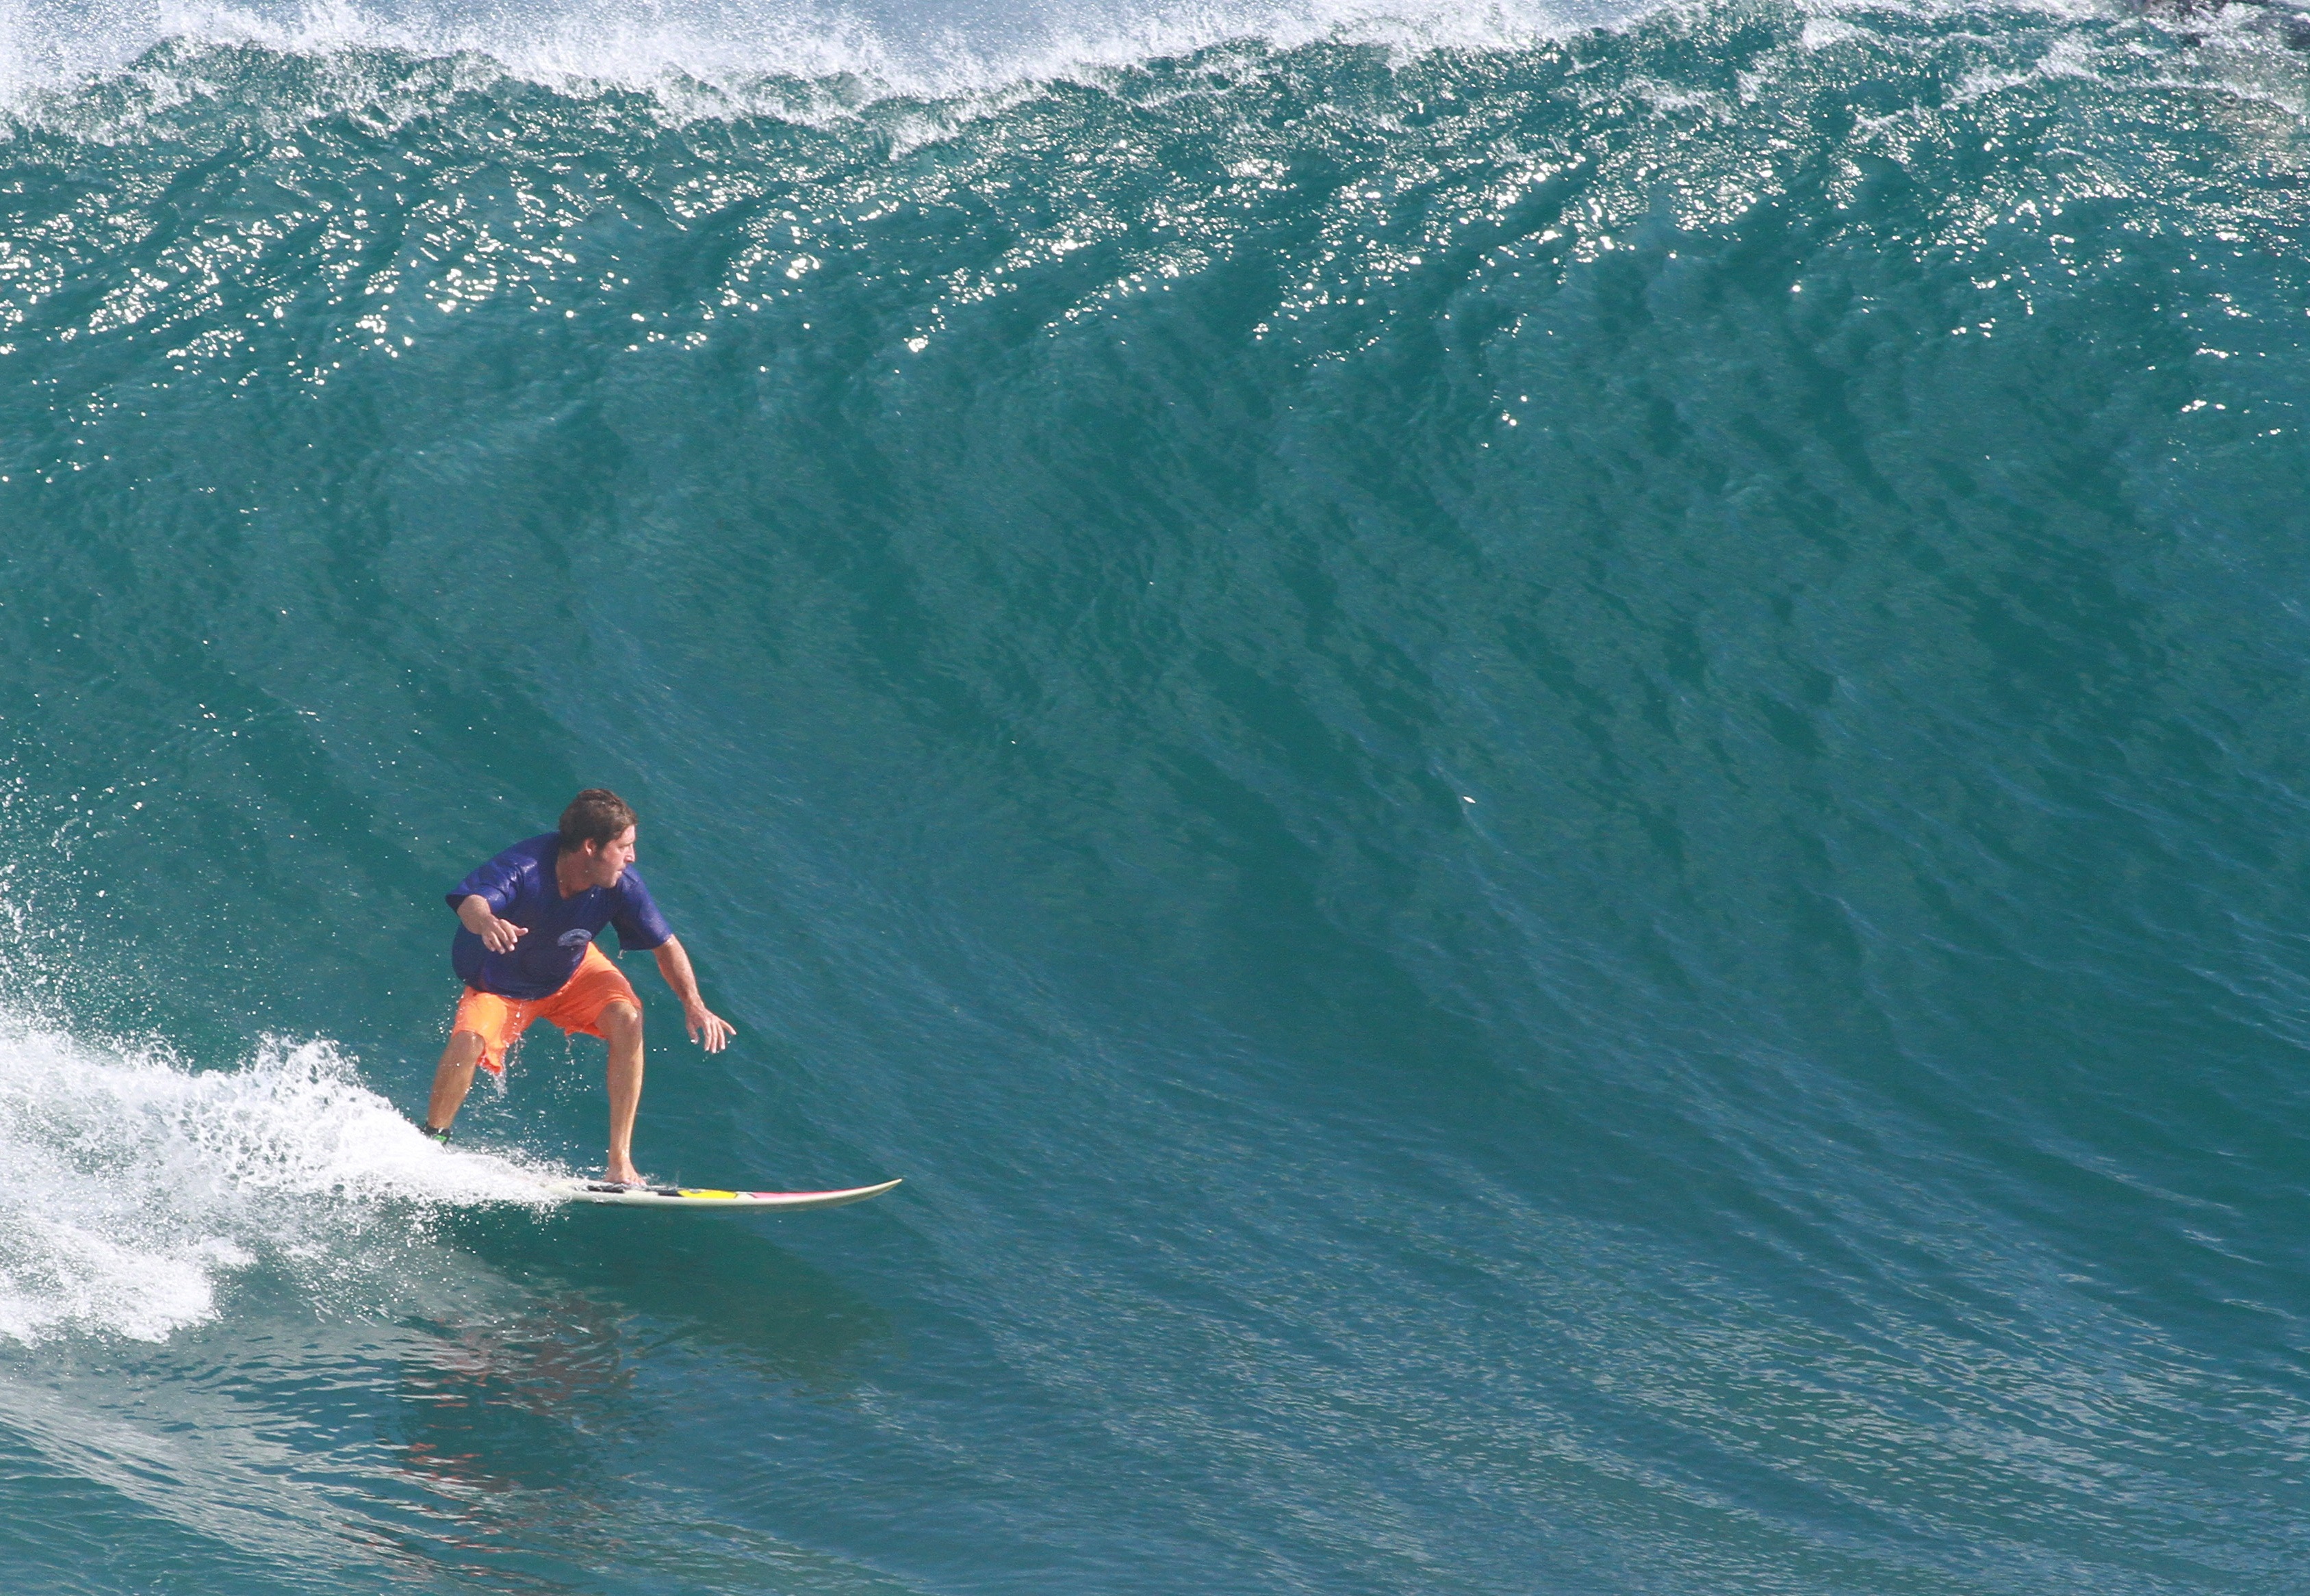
point(140, 1185)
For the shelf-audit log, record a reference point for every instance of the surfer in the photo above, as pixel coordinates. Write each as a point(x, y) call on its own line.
point(526, 951)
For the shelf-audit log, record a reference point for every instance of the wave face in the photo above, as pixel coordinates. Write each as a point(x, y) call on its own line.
point(1547, 779)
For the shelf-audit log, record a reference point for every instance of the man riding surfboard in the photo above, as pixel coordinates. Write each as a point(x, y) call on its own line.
point(525, 951)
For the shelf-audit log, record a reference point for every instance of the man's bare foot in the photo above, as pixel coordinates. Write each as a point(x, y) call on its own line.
point(621, 1172)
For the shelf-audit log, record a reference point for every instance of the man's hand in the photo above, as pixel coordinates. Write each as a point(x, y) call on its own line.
point(499, 936)
point(706, 1026)
point(709, 1027)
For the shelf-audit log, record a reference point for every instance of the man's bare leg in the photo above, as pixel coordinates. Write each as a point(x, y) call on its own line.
point(622, 1025)
point(453, 1078)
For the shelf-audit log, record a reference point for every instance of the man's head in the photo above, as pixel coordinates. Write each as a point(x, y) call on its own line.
point(598, 837)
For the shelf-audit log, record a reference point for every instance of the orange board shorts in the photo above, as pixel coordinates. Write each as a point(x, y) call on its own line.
point(576, 1007)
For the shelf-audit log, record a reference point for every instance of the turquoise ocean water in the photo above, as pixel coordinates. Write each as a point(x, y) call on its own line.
point(1545, 769)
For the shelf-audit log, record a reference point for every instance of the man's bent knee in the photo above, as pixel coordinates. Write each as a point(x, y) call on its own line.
point(620, 1018)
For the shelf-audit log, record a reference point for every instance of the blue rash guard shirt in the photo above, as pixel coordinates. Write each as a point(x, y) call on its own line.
point(519, 885)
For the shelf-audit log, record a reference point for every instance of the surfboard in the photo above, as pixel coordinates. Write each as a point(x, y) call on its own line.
point(708, 1197)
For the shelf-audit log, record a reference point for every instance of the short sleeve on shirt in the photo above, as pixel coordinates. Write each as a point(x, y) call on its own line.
point(640, 927)
point(497, 882)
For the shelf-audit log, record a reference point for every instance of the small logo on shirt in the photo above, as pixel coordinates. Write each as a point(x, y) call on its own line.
point(575, 939)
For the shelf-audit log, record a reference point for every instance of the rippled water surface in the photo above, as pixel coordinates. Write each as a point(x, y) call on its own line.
point(1544, 770)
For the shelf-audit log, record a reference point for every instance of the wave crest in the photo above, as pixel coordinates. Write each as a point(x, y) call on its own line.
point(886, 47)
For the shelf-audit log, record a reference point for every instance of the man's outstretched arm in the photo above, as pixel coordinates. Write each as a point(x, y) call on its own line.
point(705, 1026)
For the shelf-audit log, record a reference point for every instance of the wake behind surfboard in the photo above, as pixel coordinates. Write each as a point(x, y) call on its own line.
point(703, 1197)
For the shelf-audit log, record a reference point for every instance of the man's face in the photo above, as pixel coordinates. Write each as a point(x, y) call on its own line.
point(609, 861)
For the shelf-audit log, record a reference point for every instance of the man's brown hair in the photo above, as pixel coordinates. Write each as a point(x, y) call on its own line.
point(596, 815)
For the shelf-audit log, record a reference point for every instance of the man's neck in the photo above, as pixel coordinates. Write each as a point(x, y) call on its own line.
point(561, 877)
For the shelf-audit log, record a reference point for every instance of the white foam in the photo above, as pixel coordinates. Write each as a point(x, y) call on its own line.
point(133, 1187)
point(887, 47)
